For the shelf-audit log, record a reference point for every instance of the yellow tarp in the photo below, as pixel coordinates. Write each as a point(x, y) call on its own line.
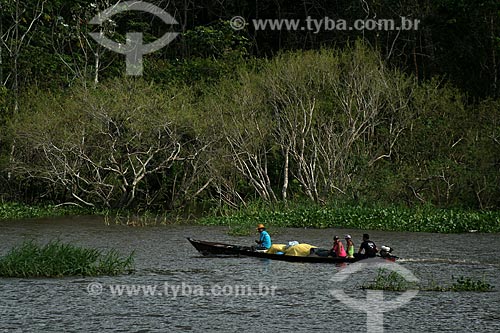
point(301, 250)
point(276, 248)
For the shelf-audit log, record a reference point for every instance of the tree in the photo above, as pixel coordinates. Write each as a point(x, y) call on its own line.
point(101, 146)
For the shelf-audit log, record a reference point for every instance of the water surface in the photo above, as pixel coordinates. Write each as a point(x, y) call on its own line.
point(301, 301)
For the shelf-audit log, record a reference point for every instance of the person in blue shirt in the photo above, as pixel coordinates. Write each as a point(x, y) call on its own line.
point(264, 239)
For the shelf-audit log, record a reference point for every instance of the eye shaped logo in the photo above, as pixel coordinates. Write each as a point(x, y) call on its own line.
point(133, 49)
point(374, 305)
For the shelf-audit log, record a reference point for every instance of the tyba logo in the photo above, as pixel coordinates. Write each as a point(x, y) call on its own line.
point(133, 49)
point(374, 305)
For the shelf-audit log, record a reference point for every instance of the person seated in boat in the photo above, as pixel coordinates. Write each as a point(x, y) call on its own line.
point(368, 249)
point(338, 248)
point(350, 246)
point(264, 240)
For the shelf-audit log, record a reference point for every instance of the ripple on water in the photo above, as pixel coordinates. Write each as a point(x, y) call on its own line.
point(301, 302)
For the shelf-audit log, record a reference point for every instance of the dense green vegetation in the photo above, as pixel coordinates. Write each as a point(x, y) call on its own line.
point(291, 129)
point(393, 281)
point(456, 39)
point(299, 215)
point(423, 219)
point(22, 211)
point(408, 120)
point(57, 259)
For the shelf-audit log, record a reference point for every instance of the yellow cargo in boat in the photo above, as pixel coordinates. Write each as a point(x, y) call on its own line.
point(276, 248)
point(301, 250)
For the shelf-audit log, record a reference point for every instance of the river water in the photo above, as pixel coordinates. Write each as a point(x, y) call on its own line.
point(195, 293)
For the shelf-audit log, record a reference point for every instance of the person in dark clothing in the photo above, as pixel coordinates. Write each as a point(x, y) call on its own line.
point(368, 249)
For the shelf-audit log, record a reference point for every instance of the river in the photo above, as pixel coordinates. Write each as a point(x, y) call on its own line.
point(195, 293)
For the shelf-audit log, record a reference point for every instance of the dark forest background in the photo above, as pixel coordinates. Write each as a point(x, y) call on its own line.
point(228, 117)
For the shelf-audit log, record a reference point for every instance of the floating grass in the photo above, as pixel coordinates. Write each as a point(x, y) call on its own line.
point(390, 281)
point(462, 283)
point(393, 281)
point(422, 219)
point(57, 259)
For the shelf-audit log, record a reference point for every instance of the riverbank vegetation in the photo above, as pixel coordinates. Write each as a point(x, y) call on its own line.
point(297, 215)
point(11, 210)
point(393, 281)
point(391, 218)
point(57, 259)
point(223, 118)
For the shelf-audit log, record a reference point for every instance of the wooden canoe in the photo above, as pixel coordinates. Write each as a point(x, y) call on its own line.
point(215, 248)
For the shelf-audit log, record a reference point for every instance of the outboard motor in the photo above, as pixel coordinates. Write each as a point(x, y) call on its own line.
point(385, 251)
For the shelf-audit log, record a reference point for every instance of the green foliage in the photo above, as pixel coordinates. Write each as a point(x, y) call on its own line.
point(100, 145)
point(12, 210)
point(207, 54)
point(4, 95)
point(307, 215)
point(389, 281)
point(355, 129)
point(350, 127)
point(215, 41)
point(463, 46)
point(461, 283)
point(469, 284)
point(393, 281)
point(57, 259)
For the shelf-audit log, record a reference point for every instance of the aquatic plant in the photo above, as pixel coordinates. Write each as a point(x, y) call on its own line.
point(393, 281)
point(307, 215)
point(390, 281)
point(469, 284)
point(462, 283)
point(57, 259)
point(13, 210)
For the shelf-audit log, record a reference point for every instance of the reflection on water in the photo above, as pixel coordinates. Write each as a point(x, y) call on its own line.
point(301, 302)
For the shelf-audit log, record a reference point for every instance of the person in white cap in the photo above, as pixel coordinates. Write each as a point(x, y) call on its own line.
point(349, 246)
